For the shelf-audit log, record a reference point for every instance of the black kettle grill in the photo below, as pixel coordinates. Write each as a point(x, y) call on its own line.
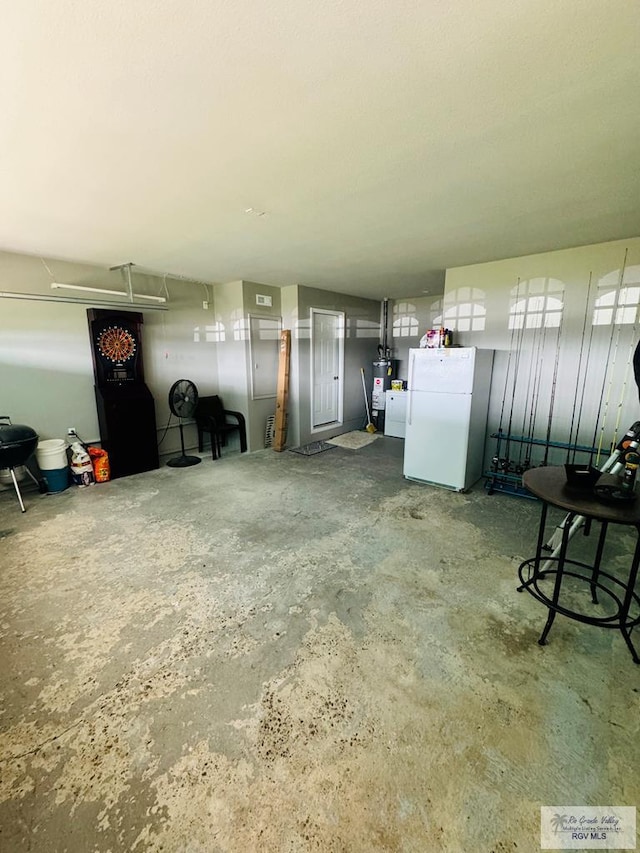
point(17, 444)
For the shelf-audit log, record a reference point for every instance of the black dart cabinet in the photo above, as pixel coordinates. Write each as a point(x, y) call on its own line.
point(126, 411)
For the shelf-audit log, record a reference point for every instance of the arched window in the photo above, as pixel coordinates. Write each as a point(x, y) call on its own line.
point(618, 305)
point(435, 314)
point(241, 330)
point(215, 332)
point(537, 303)
point(464, 310)
point(405, 321)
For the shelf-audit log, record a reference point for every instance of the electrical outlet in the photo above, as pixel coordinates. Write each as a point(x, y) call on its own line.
point(71, 431)
point(205, 305)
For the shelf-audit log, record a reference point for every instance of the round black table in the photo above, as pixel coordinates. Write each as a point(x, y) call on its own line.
point(549, 484)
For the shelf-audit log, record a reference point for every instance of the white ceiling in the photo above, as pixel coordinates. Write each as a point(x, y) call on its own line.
point(385, 139)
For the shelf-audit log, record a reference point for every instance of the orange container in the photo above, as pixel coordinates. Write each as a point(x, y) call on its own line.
point(100, 462)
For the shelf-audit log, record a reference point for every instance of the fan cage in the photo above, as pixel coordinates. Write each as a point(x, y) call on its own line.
point(177, 396)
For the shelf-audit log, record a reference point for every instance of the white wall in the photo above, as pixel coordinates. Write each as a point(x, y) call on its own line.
point(597, 389)
point(46, 372)
point(409, 319)
point(180, 343)
point(235, 302)
point(259, 410)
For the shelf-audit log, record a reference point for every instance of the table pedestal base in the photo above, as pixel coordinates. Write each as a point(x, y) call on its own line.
point(607, 583)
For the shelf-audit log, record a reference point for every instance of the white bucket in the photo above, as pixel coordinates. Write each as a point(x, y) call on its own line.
point(52, 454)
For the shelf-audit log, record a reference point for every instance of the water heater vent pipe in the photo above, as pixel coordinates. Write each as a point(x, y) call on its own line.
point(385, 321)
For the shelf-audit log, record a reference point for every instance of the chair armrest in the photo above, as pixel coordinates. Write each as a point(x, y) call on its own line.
point(238, 415)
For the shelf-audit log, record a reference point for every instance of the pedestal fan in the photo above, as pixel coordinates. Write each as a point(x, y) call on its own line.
point(183, 399)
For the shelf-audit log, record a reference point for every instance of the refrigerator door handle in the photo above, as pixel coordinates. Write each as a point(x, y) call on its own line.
point(410, 386)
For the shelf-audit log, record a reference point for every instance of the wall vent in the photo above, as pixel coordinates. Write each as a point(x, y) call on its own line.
point(263, 300)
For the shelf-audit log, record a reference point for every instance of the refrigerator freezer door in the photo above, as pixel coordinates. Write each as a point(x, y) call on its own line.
point(448, 371)
point(437, 438)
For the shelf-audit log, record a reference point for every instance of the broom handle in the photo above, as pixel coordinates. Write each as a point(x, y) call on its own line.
point(366, 401)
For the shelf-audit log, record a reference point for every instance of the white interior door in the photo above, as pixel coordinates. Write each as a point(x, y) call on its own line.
point(327, 360)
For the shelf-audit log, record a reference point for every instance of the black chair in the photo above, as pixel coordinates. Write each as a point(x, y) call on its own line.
point(211, 417)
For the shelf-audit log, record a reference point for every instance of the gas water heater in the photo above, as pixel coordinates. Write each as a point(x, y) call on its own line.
point(384, 370)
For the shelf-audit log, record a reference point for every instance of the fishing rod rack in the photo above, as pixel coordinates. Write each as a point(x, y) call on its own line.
point(533, 375)
point(505, 474)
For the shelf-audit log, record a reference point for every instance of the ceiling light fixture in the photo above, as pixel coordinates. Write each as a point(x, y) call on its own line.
point(55, 285)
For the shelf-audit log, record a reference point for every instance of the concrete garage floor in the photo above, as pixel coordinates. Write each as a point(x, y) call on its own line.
point(274, 652)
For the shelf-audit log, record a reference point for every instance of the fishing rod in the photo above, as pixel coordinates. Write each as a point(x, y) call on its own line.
point(553, 385)
point(611, 374)
point(516, 369)
point(630, 359)
point(575, 397)
point(497, 463)
point(506, 376)
point(535, 358)
point(533, 417)
point(530, 377)
point(609, 371)
point(623, 389)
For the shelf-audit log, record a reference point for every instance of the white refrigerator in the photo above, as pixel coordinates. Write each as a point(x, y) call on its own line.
point(447, 406)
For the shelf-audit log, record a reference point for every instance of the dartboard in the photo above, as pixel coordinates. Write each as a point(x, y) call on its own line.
point(116, 344)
